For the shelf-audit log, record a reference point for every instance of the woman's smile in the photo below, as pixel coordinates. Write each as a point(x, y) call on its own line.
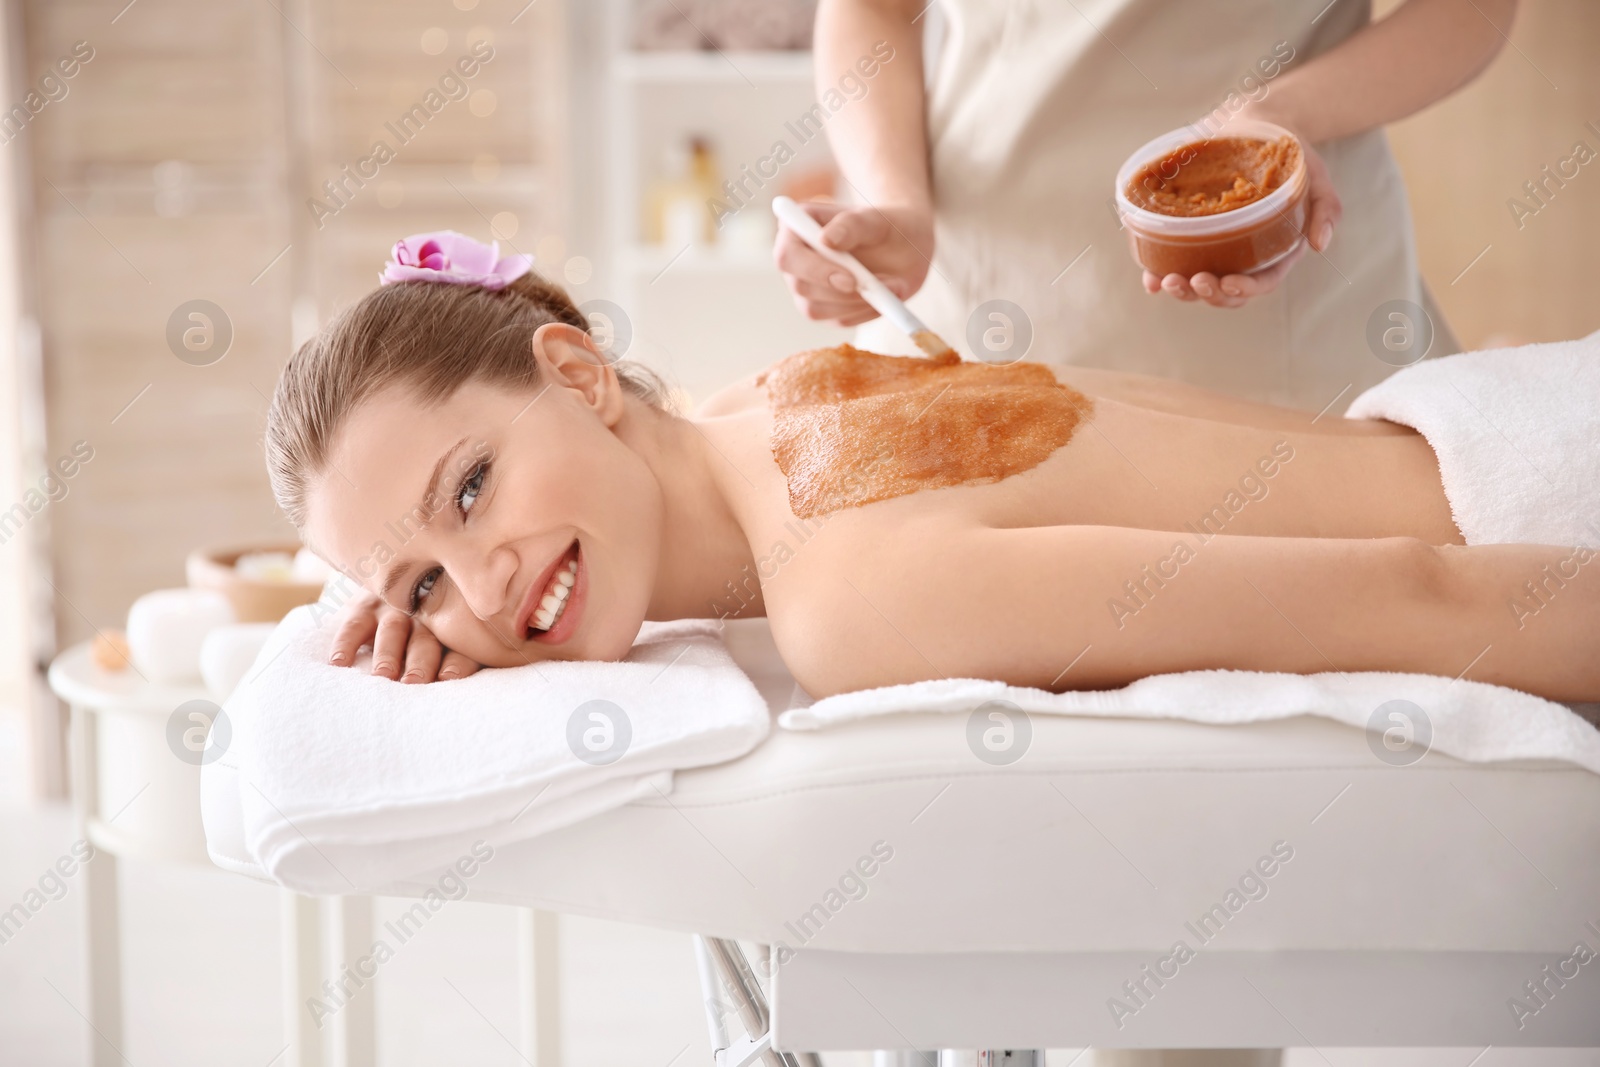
point(552, 607)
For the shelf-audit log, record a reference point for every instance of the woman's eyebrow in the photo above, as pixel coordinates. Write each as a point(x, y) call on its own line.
point(433, 485)
point(391, 579)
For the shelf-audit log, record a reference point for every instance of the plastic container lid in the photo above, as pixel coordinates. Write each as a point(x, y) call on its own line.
point(1156, 224)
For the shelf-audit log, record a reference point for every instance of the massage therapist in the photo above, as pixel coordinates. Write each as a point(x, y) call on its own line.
point(995, 183)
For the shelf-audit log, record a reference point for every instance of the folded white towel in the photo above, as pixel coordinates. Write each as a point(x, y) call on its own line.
point(349, 782)
point(1517, 433)
point(1518, 437)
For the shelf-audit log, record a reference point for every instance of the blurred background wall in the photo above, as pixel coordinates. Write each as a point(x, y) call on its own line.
point(1468, 157)
point(185, 158)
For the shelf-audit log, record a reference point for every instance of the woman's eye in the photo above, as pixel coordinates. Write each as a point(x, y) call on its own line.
point(471, 486)
point(423, 587)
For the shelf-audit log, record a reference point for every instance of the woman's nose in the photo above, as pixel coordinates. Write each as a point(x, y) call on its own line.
point(484, 580)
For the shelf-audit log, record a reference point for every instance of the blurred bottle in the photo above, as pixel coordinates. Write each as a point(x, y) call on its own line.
point(677, 208)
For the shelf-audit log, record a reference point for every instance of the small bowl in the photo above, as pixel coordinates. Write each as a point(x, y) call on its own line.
point(253, 599)
point(1242, 240)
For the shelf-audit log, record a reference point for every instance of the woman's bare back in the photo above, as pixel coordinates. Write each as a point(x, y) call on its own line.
point(1154, 455)
point(1177, 529)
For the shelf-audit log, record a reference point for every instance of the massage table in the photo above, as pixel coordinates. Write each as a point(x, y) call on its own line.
point(1015, 906)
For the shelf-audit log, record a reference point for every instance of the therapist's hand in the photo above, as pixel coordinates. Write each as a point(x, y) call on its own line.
point(399, 643)
point(893, 242)
point(1323, 211)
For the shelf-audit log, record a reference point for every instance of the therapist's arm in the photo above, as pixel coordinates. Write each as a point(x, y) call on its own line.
point(881, 145)
point(1421, 53)
point(1424, 51)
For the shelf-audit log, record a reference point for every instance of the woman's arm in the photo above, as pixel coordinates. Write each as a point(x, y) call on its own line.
point(1424, 51)
point(1118, 604)
point(880, 142)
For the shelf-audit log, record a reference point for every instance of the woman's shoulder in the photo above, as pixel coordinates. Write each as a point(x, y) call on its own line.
point(810, 376)
point(741, 395)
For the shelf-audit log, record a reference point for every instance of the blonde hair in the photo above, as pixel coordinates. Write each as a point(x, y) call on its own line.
point(429, 337)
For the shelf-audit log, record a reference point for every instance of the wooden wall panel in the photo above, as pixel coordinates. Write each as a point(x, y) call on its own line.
point(157, 180)
point(518, 168)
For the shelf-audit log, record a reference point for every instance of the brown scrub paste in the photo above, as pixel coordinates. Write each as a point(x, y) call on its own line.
point(851, 427)
point(1210, 177)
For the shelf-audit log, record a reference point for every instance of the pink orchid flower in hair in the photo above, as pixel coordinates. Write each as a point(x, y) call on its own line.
point(453, 258)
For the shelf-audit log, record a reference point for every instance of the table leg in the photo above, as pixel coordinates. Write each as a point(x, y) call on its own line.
point(105, 959)
point(303, 1018)
point(103, 935)
point(354, 1025)
point(539, 969)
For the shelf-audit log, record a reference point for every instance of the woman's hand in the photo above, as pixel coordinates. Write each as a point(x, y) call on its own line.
point(397, 640)
point(895, 243)
point(1323, 211)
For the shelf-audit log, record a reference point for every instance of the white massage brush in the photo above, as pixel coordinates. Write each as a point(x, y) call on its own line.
point(872, 290)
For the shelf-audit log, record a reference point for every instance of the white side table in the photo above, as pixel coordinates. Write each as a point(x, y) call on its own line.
point(136, 792)
point(142, 800)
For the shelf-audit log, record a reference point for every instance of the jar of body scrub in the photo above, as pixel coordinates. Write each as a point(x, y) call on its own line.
point(1234, 203)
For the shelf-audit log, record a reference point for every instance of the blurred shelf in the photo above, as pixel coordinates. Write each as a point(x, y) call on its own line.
point(658, 259)
point(715, 67)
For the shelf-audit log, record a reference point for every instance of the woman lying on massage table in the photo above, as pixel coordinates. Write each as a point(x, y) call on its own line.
point(506, 495)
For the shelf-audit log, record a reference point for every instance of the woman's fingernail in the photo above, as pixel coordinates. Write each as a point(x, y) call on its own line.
point(843, 282)
point(1324, 235)
point(1231, 290)
point(338, 659)
point(1202, 288)
point(446, 673)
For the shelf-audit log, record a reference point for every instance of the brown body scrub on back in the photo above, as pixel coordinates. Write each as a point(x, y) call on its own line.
point(851, 427)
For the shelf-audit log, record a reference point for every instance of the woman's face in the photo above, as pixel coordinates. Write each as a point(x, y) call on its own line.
point(466, 511)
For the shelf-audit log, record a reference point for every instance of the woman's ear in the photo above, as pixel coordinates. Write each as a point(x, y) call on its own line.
point(570, 357)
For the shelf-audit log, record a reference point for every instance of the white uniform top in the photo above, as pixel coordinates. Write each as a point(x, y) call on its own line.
point(1034, 106)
